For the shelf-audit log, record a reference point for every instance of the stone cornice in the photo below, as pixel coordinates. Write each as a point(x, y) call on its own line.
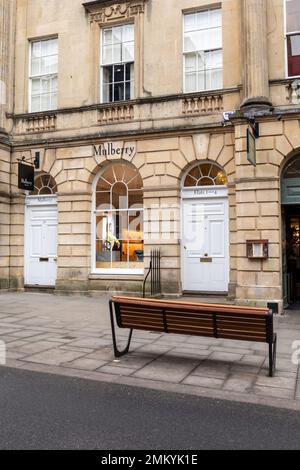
point(107, 11)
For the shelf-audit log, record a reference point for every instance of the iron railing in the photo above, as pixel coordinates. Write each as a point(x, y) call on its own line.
point(154, 273)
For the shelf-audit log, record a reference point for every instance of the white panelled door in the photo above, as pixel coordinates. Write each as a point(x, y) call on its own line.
point(205, 240)
point(41, 243)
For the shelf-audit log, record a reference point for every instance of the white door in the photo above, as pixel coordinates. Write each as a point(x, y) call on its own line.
point(205, 245)
point(41, 245)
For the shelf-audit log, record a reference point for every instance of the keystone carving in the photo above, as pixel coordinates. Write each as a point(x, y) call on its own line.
point(294, 92)
point(118, 11)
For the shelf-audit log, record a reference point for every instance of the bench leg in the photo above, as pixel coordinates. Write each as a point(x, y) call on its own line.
point(272, 356)
point(117, 352)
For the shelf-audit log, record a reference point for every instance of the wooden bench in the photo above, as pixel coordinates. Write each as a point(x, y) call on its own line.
point(179, 317)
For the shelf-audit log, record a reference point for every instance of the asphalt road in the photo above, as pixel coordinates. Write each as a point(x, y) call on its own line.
point(41, 411)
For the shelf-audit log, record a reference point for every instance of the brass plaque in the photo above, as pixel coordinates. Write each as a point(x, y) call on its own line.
point(206, 260)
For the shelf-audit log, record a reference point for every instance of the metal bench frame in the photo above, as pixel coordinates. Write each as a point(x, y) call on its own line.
point(115, 316)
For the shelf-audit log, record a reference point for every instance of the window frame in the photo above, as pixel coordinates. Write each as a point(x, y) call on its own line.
point(94, 213)
point(101, 66)
point(195, 11)
point(31, 41)
point(286, 36)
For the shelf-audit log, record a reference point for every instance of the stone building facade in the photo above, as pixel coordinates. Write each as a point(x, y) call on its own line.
point(139, 111)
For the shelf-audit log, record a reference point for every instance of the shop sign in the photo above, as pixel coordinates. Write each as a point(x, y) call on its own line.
point(204, 193)
point(115, 150)
point(26, 177)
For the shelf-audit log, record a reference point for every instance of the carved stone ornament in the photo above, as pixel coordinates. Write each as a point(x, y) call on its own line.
point(107, 12)
point(293, 90)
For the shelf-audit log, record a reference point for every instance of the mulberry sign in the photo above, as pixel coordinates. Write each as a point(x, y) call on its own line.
point(115, 150)
point(26, 177)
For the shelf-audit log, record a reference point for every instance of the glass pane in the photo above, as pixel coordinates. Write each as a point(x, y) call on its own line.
point(119, 73)
point(119, 92)
point(190, 82)
point(45, 65)
point(53, 64)
point(103, 185)
point(203, 40)
point(128, 90)
point(128, 32)
point(108, 74)
point(36, 67)
point(119, 196)
point(190, 182)
point(202, 85)
point(107, 93)
point(45, 85)
point(107, 55)
point(191, 62)
point(128, 52)
point(294, 55)
point(292, 16)
point(49, 47)
point(107, 36)
point(205, 169)
point(117, 53)
point(54, 84)
point(293, 169)
point(190, 22)
point(135, 199)
point(221, 179)
point(45, 102)
point(103, 201)
point(35, 86)
point(195, 173)
point(103, 255)
point(206, 182)
point(35, 104)
point(36, 49)
point(108, 175)
point(214, 59)
point(117, 35)
point(203, 19)
point(215, 17)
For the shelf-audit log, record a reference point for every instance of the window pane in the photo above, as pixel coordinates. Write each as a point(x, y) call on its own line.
point(119, 73)
point(190, 22)
point(35, 104)
point(103, 255)
point(128, 90)
point(128, 32)
point(293, 15)
point(36, 49)
point(117, 35)
point(190, 82)
point(216, 17)
point(214, 60)
point(191, 62)
point(35, 86)
point(128, 52)
point(103, 201)
point(107, 55)
point(45, 102)
point(108, 74)
point(49, 47)
point(35, 67)
point(119, 92)
point(202, 20)
point(54, 84)
point(117, 53)
point(294, 55)
point(202, 85)
point(108, 93)
point(129, 72)
point(107, 36)
point(45, 85)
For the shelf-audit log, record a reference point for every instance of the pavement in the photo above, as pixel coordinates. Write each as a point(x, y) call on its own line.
point(71, 336)
point(43, 411)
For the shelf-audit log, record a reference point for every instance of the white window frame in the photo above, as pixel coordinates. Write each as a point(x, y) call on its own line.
point(101, 74)
point(104, 271)
point(213, 7)
point(286, 34)
point(31, 77)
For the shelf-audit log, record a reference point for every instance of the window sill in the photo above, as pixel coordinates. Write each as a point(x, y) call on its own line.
point(116, 277)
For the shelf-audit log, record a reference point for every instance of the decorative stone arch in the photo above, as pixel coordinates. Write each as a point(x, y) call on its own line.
point(44, 185)
point(290, 179)
point(203, 173)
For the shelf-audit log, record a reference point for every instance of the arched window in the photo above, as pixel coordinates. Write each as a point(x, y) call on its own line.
point(44, 185)
point(205, 174)
point(290, 182)
point(118, 220)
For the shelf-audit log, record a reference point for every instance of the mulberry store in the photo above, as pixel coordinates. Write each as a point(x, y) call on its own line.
point(98, 210)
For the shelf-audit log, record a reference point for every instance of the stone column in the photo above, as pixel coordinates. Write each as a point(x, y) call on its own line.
point(255, 54)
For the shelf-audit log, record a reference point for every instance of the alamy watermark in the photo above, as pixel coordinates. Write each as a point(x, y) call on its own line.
point(2, 353)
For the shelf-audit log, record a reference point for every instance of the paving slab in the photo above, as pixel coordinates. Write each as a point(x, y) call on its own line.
point(72, 336)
